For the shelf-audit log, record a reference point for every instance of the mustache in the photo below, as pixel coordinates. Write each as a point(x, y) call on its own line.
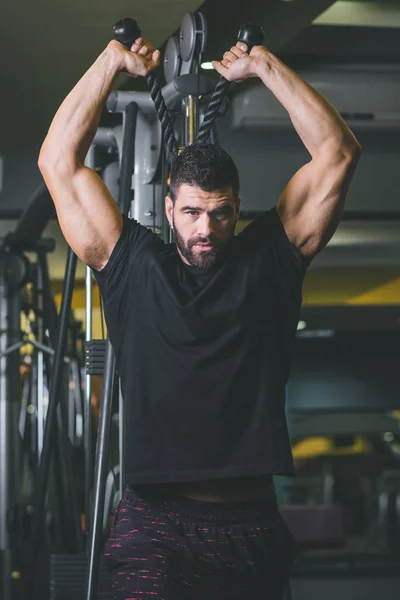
point(209, 241)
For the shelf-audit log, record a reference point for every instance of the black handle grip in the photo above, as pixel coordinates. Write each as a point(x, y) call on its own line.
point(126, 31)
point(251, 35)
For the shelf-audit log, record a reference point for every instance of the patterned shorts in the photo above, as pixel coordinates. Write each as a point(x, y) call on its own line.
point(183, 549)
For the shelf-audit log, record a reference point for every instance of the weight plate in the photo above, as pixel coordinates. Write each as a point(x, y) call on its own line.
point(187, 36)
point(16, 271)
point(172, 60)
point(201, 27)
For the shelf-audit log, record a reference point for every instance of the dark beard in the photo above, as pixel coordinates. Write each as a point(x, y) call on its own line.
point(203, 261)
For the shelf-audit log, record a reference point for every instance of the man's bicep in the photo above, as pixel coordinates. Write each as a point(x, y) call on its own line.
point(312, 203)
point(89, 218)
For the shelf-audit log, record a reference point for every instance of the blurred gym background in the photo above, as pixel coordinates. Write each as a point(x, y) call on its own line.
point(343, 400)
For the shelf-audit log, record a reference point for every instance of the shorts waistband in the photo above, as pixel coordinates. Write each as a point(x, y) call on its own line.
point(260, 508)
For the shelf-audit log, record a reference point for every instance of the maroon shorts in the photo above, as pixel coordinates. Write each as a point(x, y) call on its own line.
point(182, 549)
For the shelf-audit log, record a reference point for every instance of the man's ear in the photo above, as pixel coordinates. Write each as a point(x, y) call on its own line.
point(169, 209)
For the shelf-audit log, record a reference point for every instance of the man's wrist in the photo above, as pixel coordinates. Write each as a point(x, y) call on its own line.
point(114, 55)
point(264, 65)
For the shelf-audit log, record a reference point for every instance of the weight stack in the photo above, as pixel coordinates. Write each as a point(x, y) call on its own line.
point(95, 356)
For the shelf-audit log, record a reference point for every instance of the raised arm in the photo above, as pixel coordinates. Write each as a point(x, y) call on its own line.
point(312, 203)
point(89, 218)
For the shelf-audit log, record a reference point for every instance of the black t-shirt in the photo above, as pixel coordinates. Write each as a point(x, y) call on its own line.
point(203, 358)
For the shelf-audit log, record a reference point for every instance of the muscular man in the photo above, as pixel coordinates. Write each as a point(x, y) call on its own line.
point(202, 330)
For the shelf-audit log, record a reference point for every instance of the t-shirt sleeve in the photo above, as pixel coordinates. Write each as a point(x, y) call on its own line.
point(267, 234)
point(133, 239)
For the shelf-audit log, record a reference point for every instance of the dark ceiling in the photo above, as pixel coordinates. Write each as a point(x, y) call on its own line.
point(46, 46)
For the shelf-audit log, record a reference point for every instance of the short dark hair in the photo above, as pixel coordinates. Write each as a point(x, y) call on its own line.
point(206, 166)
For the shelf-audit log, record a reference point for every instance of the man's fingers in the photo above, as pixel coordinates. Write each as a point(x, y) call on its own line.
point(142, 46)
point(155, 58)
point(136, 45)
point(229, 56)
point(220, 68)
point(146, 49)
point(149, 55)
point(152, 63)
point(233, 54)
point(238, 52)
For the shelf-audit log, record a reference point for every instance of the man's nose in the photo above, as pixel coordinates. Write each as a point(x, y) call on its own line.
point(205, 225)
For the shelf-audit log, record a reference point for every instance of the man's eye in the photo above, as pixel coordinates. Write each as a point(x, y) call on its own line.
point(192, 213)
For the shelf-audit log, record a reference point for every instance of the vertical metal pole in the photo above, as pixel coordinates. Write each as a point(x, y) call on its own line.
point(40, 401)
point(74, 530)
point(14, 389)
point(90, 162)
point(50, 426)
point(39, 362)
point(127, 158)
point(33, 412)
point(88, 429)
point(24, 406)
point(166, 233)
point(101, 472)
point(5, 442)
point(191, 119)
point(121, 432)
point(10, 402)
point(71, 412)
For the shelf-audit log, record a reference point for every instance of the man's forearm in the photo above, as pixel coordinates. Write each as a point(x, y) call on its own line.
point(317, 122)
point(77, 119)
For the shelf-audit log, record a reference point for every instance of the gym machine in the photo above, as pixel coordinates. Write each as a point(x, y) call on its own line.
point(24, 382)
point(155, 126)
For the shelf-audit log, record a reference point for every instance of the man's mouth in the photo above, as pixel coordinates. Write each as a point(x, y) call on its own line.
point(204, 246)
